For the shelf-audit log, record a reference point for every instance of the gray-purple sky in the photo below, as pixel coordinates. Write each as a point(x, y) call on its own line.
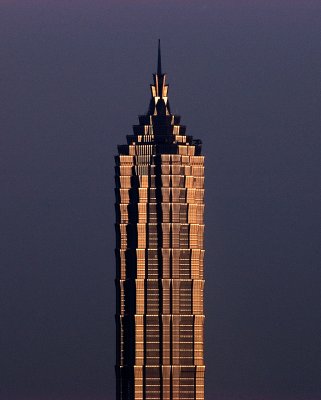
point(246, 78)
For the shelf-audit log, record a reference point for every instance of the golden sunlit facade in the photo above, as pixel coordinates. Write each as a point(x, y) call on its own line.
point(160, 257)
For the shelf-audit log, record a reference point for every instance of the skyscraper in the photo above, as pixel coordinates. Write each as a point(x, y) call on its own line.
point(159, 257)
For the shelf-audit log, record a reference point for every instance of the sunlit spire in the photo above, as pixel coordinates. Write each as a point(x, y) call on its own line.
point(159, 103)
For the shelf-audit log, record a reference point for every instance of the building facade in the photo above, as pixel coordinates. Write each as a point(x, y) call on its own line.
point(160, 257)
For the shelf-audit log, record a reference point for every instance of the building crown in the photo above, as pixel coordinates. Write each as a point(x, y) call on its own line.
point(159, 128)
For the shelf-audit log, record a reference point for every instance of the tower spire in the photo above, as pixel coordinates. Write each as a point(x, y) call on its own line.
point(159, 59)
point(159, 103)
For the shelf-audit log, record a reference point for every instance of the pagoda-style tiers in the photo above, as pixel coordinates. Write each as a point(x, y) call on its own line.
point(160, 257)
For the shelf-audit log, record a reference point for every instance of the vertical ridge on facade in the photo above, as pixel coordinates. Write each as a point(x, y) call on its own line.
point(160, 257)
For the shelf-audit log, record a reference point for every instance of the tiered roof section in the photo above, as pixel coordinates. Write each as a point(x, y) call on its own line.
point(159, 127)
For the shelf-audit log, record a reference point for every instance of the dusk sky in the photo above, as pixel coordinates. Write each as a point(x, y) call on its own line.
point(245, 75)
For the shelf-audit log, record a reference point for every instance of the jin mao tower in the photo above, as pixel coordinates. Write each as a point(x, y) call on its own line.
point(159, 257)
